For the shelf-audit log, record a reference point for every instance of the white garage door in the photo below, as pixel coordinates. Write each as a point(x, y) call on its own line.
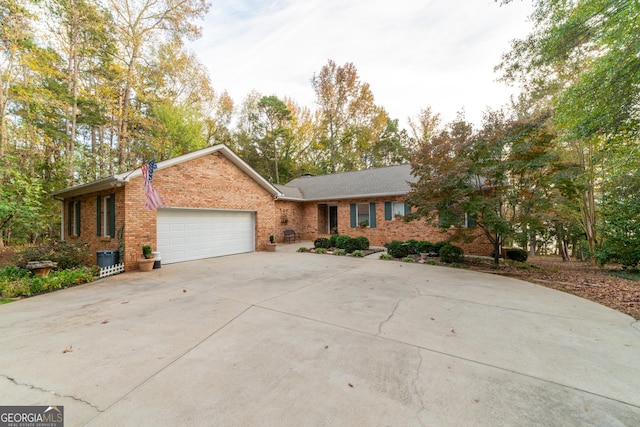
point(189, 234)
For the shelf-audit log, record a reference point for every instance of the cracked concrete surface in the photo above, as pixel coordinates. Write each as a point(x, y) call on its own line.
point(304, 339)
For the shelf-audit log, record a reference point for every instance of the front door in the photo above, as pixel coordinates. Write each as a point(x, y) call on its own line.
point(333, 218)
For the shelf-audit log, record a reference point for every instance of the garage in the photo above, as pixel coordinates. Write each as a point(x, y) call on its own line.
point(190, 234)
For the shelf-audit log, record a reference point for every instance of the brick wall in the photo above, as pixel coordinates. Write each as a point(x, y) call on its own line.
point(311, 226)
point(211, 182)
point(88, 226)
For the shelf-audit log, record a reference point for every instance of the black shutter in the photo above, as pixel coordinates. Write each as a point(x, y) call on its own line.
point(387, 211)
point(372, 215)
point(70, 220)
point(99, 215)
point(78, 219)
point(354, 222)
point(112, 215)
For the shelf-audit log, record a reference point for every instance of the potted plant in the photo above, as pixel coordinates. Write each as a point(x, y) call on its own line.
point(271, 246)
point(146, 262)
point(364, 224)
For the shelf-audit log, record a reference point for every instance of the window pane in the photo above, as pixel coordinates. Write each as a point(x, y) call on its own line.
point(363, 213)
point(398, 208)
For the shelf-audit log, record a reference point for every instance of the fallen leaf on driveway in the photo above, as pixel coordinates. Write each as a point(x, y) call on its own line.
point(350, 385)
point(105, 321)
point(124, 302)
point(453, 331)
point(68, 350)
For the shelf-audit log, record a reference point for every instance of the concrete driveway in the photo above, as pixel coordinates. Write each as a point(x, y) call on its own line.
point(289, 339)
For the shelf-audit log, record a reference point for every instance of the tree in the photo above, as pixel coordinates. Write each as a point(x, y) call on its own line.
point(21, 214)
point(621, 206)
point(581, 60)
point(485, 177)
point(15, 40)
point(80, 30)
point(346, 107)
point(275, 123)
point(139, 24)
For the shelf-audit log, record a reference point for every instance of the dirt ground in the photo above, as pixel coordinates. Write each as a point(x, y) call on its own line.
point(578, 278)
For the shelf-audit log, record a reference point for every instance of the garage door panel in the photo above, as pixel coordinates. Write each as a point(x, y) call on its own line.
point(189, 234)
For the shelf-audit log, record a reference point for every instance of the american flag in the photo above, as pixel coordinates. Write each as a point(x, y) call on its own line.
point(153, 199)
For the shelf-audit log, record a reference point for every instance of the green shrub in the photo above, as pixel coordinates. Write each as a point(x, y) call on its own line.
point(341, 241)
point(412, 246)
point(322, 242)
point(358, 253)
point(321, 251)
point(439, 245)
point(362, 242)
point(15, 282)
point(451, 254)
point(340, 252)
point(516, 254)
point(424, 247)
point(408, 259)
point(385, 256)
point(303, 249)
point(13, 273)
point(351, 245)
point(67, 255)
point(397, 249)
point(333, 240)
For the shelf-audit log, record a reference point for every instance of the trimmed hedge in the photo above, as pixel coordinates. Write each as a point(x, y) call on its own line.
point(425, 247)
point(439, 245)
point(451, 254)
point(350, 245)
point(398, 249)
point(322, 242)
point(363, 243)
point(333, 239)
point(341, 241)
point(516, 254)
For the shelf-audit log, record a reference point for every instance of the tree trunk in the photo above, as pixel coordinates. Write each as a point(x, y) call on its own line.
point(497, 249)
point(532, 245)
point(3, 124)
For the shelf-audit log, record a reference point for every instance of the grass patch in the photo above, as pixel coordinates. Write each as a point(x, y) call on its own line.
point(627, 274)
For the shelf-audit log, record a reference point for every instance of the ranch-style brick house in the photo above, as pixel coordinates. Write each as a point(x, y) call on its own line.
point(215, 204)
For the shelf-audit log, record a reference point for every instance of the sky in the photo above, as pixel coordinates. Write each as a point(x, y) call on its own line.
point(414, 54)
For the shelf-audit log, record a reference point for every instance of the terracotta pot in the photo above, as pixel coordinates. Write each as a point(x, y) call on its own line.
point(146, 264)
point(271, 247)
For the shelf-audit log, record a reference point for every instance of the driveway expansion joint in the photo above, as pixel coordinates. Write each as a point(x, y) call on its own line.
point(455, 356)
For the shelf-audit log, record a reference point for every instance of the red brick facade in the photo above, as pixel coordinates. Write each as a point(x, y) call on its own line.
point(210, 181)
point(313, 223)
point(216, 180)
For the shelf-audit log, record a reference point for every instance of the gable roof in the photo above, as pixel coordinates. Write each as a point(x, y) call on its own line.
point(379, 182)
point(120, 179)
